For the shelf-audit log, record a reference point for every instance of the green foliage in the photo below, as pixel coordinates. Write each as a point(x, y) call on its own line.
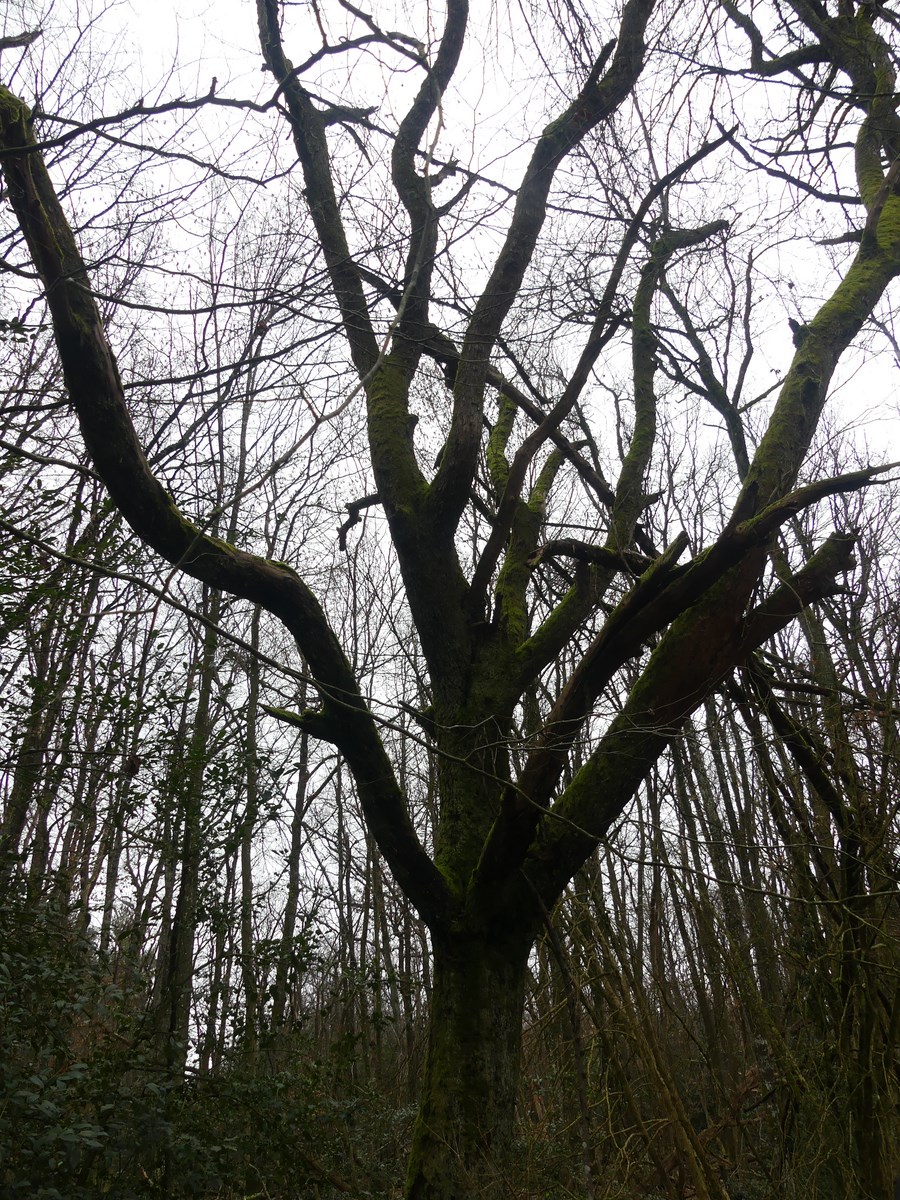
point(87, 1109)
point(74, 1104)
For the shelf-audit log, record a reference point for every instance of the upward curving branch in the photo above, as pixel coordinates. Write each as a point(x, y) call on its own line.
point(414, 189)
point(95, 391)
point(308, 127)
point(598, 99)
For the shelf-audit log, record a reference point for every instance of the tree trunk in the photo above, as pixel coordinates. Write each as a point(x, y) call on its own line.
point(463, 1133)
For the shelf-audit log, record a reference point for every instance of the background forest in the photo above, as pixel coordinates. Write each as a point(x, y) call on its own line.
point(211, 983)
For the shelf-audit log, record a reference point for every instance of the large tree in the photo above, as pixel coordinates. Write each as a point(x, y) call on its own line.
point(494, 321)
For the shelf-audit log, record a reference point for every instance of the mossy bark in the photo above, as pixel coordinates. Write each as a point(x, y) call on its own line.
point(464, 1129)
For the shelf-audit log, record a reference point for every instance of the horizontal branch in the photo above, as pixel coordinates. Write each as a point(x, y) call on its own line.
point(618, 560)
point(354, 508)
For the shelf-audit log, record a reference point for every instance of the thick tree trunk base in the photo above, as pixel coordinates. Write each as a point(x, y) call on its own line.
point(464, 1130)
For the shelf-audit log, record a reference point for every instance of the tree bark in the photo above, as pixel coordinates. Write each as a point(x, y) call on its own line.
point(464, 1129)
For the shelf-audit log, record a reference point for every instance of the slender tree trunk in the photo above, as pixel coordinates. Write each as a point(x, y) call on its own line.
point(248, 826)
point(283, 969)
point(463, 1133)
point(174, 985)
point(184, 922)
point(26, 776)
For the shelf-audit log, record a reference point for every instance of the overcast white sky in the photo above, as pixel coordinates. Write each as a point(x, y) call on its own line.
point(146, 39)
